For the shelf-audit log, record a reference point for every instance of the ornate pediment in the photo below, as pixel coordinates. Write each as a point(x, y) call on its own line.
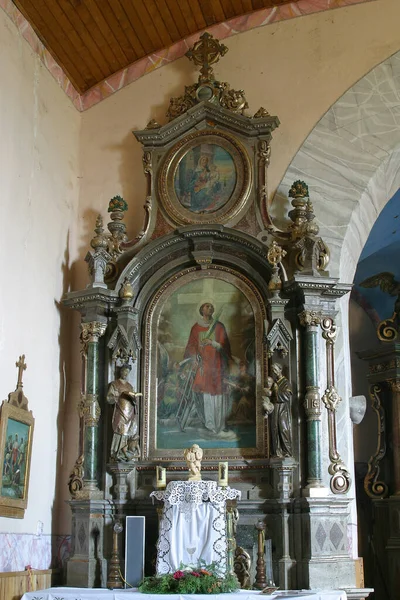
point(278, 339)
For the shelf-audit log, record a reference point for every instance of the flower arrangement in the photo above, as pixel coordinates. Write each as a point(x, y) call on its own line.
point(203, 579)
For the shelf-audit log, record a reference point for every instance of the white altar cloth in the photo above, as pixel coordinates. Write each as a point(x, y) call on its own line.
point(65, 593)
point(193, 524)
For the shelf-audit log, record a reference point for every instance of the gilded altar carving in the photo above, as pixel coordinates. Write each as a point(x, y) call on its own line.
point(91, 410)
point(312, 403)
point(373, 485)
point(242, 567)
point(388, 329)
point(310, 318)
point(91, 332)
point(75, 483)
point(340, 480)
point(206, 52)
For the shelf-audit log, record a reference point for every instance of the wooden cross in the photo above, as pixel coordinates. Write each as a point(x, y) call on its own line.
point(206, 52)
point(21, 368)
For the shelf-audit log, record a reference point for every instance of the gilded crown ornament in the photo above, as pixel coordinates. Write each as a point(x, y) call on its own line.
point(204, 53)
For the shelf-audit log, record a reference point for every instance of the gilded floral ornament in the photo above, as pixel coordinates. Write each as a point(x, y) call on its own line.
point(298, 189)
point(117, 203)
point(180, 104)
point(261, 113)
point(153, 124)
point(233, 100)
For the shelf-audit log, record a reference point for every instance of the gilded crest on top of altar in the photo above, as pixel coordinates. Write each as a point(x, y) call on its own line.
point(201, 165)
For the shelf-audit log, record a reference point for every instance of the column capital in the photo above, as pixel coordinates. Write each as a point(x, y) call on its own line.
point(310, 318)
point(92, 331)
point(394, 385)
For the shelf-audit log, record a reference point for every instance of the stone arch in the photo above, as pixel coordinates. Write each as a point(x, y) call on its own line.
point(350, 161)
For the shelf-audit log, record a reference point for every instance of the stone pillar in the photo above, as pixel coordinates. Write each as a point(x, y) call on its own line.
point(91, 333)
point(312, 402)
point(86, 566)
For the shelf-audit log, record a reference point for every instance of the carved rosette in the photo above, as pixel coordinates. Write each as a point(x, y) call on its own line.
point(331, 398)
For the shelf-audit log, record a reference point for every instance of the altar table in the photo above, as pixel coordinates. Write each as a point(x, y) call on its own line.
point(66, 593)
point(193, 525)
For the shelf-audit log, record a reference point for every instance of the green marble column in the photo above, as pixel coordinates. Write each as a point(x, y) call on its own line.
point(91, 333)
point(312, 400)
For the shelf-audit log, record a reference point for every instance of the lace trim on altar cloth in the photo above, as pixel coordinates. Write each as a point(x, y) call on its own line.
point(195, 492)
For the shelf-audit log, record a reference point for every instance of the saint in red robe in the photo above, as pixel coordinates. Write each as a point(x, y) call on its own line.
point(212, 358)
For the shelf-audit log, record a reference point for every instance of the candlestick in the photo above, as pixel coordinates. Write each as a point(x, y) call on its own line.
point(161, 477)
point(223, 474)
point(114, 580)
point(261, 580)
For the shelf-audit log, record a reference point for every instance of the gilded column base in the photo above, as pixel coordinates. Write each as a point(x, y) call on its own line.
point(90, 491)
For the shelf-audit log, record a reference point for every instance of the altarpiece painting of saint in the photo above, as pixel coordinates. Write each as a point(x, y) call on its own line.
point(206, 367)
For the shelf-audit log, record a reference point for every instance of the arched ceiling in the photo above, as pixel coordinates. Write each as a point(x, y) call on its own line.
point(94, 48)
point(351, 163)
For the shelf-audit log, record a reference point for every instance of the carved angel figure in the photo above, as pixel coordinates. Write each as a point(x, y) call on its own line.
point(388, 285)
point(193, 457)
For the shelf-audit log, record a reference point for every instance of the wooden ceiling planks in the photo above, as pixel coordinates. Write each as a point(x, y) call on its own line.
point(92, 39)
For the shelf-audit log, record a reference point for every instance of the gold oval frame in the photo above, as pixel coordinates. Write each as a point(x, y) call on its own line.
point(172, 207)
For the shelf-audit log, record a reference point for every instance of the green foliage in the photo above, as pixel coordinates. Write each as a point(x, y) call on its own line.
point(203, 579)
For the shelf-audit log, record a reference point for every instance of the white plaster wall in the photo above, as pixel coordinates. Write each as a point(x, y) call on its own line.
point(297, 69)
point(39, 190)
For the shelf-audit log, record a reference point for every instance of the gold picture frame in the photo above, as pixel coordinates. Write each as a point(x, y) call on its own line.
point(16, 435)
point(205, 178)
point(173, 413)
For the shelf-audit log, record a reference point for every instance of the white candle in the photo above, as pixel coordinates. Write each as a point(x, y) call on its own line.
point(223, 474)
point(161, 477)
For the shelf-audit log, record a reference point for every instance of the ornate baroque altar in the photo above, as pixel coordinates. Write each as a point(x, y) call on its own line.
point(212, 326)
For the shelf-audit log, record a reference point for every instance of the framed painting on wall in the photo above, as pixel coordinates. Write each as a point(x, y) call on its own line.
point(205, 367)
point(205, 178)
point(16, 434)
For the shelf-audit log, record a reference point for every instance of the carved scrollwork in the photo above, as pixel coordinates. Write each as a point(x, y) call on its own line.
point(242, 567)
point(75, 483)
point(340, 480)
point(374, 487)
point(387, 330)
point(233, 100)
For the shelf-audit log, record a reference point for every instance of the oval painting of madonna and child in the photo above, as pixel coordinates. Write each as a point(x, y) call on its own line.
point(205, 178)
point(206, 367)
